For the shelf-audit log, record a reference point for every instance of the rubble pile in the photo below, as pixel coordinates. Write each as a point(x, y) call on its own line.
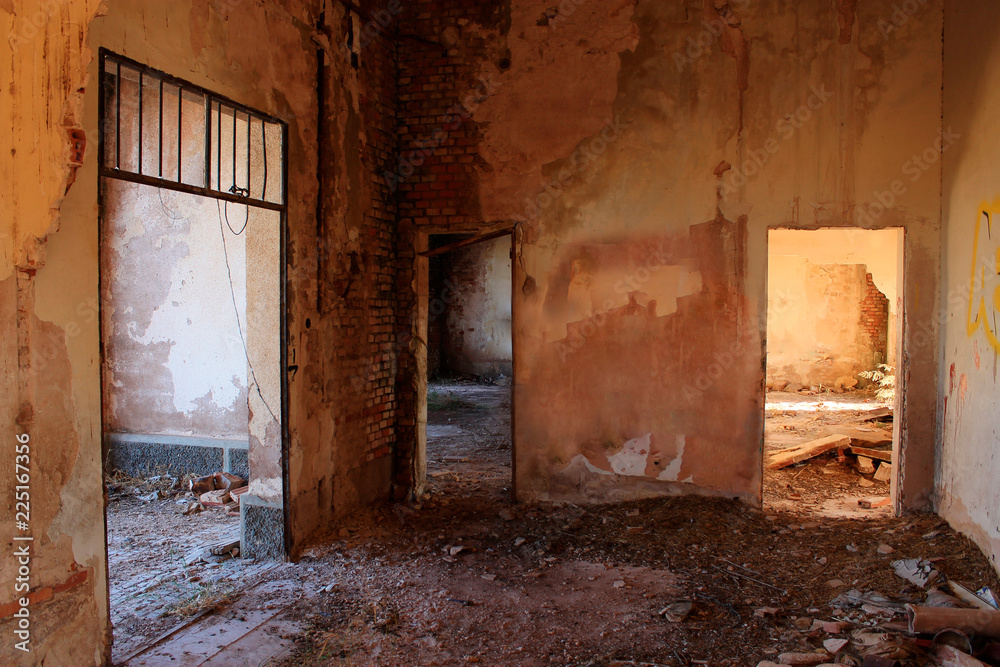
point(941, 623)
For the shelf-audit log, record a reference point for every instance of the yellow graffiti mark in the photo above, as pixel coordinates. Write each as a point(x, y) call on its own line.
point(984, 289)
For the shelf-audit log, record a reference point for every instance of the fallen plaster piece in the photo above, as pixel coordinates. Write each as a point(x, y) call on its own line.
point(917, 571)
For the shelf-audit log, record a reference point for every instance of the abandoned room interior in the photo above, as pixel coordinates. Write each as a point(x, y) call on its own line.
point(512, 332)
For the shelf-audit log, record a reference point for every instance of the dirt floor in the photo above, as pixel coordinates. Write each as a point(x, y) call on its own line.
point(465, 576)
point(151, 587)
point(827, 485)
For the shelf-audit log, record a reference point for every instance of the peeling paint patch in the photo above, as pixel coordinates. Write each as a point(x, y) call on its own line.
point(631, 460)
point(673, 471)
point(580, 463)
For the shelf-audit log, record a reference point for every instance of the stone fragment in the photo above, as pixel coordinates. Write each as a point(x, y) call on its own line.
point(200, 485)
point(865, 465)
point(677, 612)
point(228, 481)
point(216, 498)
point(835, 645)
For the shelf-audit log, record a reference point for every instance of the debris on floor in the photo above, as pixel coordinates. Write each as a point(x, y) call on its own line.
point(935, 629)
point(461, 575)
point(154, 525)
point(823, 456)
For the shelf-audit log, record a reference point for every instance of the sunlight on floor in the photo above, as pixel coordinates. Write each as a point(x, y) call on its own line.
point(821, 406)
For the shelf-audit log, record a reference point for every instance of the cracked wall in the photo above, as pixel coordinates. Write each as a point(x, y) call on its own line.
point(968, 495)
point(645, 149)
point(49, 348)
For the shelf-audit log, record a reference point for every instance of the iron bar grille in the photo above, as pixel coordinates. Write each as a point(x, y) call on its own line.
point(165, 132)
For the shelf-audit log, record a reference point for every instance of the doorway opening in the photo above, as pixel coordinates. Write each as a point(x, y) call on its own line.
point(192, 219)
point(470, 368)
point(833, 348)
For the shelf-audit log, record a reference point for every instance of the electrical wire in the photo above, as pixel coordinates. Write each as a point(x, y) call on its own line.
point(242, 193)
point(239, 324)
point(167, 211)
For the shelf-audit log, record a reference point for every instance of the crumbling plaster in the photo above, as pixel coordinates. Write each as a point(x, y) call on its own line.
point(639, 152)
point(174, 358)
point(815, 332)
point(50, 341)
point(50, 272)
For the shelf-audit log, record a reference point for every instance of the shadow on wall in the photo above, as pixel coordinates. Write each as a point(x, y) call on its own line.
point(469, 315)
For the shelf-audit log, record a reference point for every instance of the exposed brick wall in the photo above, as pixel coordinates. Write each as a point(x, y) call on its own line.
point(357, 290)
point(434, 174)
point(378, 107)
point(439, 87)
point(875, 318)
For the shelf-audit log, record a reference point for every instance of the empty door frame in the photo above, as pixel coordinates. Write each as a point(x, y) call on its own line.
point(900, 359)
point(422, 276)
point(215, 107)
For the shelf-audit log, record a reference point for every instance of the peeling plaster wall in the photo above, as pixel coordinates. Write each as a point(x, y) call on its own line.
point(472, 302)
point(646, 148)
point(340, 401)
point(49, 346)
point(340, 240)
point(879, 250)
point(174, 358)
point(814, 333)
point(968, 494)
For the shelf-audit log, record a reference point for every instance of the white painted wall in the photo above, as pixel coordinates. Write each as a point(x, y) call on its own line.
point(175, 361)
point(968, 495)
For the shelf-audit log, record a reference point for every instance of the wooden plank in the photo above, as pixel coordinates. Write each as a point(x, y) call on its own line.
point(806, 451)
point(880, 454)
point(469, 241)
point(874, 502)
point(865, 436)
point(877, 413)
